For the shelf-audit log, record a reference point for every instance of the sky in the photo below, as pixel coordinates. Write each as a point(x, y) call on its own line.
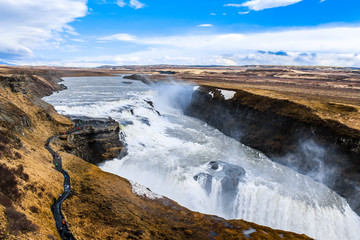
point(81, 33)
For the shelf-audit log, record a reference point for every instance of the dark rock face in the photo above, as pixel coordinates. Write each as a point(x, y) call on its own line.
point(138, 77)
point(17, 83)
point(95, 142)
point(45, 84)
point(40, 85)
point(325, 150)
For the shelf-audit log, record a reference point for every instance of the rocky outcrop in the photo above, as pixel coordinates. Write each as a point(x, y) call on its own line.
point(13, 117)
point(39, 84)
point(288, 133)
point(17, 83)
point(139, 77)
point(96, 140)
point(45, 83)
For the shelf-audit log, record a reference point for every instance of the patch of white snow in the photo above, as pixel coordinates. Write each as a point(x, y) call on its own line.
point(143, 191)
point(195, 88)
point(227, 94)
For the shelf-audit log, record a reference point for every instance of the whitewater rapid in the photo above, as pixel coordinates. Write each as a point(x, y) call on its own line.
point(196, 165)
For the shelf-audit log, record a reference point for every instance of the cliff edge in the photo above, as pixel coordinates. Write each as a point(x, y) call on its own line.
point(287, 132)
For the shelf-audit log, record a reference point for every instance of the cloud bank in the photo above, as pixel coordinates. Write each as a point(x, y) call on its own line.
point(322, 40)
point(30, 24)
point(316, 46)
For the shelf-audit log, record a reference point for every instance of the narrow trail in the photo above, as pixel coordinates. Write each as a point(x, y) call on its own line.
point(59, 217)
point(61, 225)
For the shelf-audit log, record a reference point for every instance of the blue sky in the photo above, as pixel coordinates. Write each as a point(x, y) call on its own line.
point(219, 32)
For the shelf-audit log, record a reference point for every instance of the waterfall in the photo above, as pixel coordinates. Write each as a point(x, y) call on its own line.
point(196, 165)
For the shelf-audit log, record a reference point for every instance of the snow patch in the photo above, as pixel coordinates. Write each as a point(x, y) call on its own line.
point(227, 94)
point(143, 191)
point(195, 88)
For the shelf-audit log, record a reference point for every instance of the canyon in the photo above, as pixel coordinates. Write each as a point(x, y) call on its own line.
point(101, 200)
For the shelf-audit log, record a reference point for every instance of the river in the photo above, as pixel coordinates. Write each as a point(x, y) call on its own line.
point(196, 165)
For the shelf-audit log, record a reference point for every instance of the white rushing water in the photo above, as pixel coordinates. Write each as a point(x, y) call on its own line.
point(199, 167)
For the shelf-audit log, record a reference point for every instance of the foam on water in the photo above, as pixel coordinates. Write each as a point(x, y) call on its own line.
point(166, 151)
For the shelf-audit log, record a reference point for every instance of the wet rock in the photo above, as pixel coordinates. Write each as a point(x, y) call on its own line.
point(145, 121)
point(228, 174)
point(205, 180)
point(214, 165)
point(152, 106)
point(231, 175)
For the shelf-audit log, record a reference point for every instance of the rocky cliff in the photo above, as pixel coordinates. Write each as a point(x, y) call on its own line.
point(96, 141)
point(39, 83)
point(103, 206)
point(288, 133)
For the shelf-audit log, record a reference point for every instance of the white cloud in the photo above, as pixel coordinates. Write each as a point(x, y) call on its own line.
point(233, 5)
point(136, 4)
point(133, 3)
point(213, 14)
point(205, 25)
point(316, 46)
point(242, 13)
point(27, 24)
point(118, 37)
point(120, 3)
point(258, 5)
point(78, 40)
point(333, 39)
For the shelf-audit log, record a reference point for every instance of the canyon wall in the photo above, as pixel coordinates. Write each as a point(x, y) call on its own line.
point(288, 133)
